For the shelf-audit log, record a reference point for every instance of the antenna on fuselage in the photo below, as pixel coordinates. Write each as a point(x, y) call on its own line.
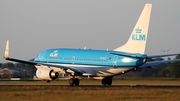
point(85, 48)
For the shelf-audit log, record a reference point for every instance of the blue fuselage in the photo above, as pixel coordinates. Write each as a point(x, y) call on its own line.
point(90, 57)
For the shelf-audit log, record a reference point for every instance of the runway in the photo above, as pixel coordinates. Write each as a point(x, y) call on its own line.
point(86, 84)
point(93, 86)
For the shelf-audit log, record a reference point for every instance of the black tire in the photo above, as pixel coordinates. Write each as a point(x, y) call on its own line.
point(109, 83)
point(103, 82)
point(76, 81)
point(48, 81)
point(106, 81)
point(71, 82)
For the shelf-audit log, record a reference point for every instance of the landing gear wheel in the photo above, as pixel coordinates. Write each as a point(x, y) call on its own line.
point(71, 82)
point(74, 81)
point(103, 82)
point(48, 81)
point(107, 81)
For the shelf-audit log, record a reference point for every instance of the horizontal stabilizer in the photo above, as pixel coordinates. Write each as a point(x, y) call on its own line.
point(129, 55)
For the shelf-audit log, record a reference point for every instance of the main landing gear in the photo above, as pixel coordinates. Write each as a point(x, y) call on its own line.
point(106, 81)
point(74, 81)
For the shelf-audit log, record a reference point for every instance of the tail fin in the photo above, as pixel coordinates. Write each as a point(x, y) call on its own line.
point(138, 38)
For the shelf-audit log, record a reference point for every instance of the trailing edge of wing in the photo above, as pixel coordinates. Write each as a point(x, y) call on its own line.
point(156, 56)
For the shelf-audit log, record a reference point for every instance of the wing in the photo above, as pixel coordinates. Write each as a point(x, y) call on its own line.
point(6, 56)
point(163, 55)
point(70, 69)
point(156, 63)
point(152, 64)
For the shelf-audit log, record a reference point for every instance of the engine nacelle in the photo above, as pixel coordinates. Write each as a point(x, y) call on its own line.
point(46, 73)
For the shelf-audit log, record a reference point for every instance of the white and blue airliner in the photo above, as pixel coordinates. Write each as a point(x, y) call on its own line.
point(106, 64)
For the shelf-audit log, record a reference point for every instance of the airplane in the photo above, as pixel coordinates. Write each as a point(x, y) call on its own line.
point(104, 64)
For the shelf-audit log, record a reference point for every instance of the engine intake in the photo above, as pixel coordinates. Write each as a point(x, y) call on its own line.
point(53, 75)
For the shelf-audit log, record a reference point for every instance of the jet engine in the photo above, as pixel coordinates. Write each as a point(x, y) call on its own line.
point(46, 73)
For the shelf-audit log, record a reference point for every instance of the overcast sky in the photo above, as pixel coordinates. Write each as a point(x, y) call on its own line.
point(35, 25)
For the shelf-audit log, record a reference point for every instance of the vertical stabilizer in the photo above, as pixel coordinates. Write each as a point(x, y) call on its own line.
point(138, 38)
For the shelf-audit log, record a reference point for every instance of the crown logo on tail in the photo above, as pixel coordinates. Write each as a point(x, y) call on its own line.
point(138, 30)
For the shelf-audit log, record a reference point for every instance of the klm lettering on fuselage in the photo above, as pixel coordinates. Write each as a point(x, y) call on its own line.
point(139, 36)
point(54, 54)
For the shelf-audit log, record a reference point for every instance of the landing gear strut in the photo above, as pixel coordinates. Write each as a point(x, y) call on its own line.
point(74, 81)
point(106, 81)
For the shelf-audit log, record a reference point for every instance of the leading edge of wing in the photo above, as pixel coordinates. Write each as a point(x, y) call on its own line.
point(163, 55)
point(7, 57)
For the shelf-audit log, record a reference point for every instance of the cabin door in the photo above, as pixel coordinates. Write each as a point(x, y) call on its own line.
point(114, 62)
point(73, 59)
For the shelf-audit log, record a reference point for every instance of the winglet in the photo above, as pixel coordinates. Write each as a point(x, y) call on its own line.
point(6, 53)
point(6, 56)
